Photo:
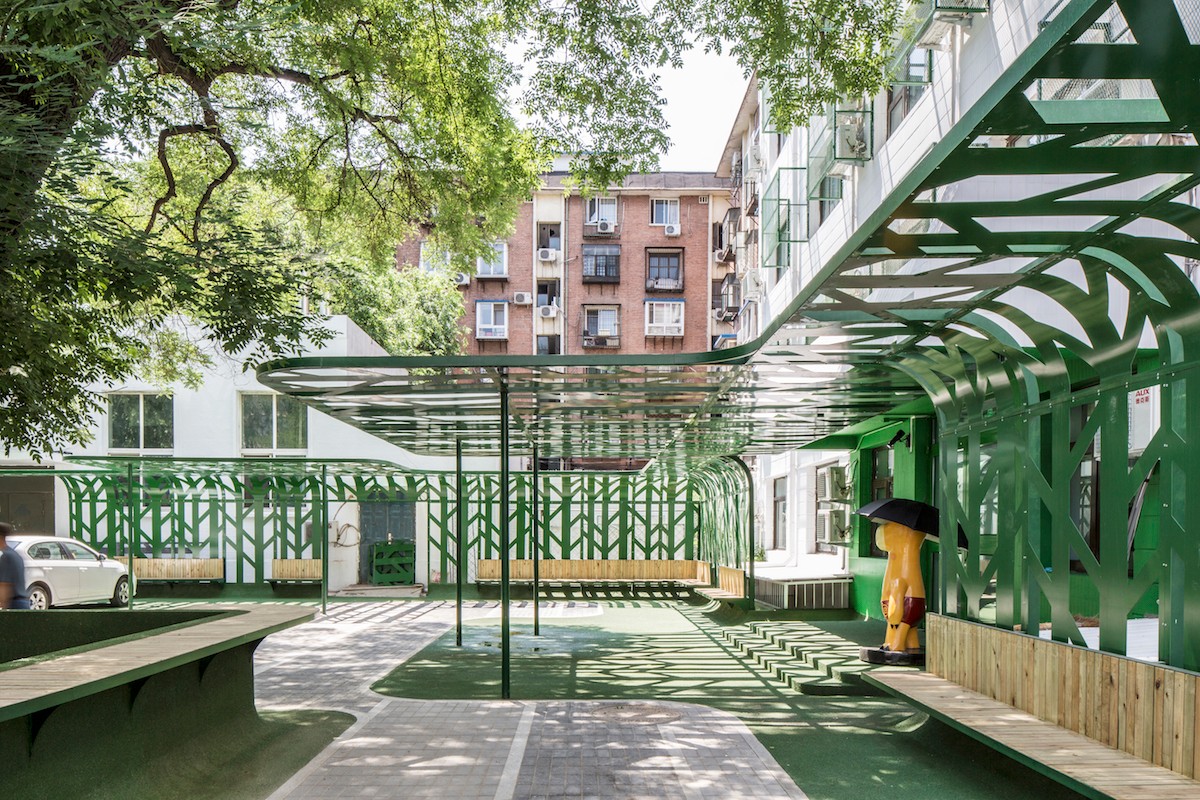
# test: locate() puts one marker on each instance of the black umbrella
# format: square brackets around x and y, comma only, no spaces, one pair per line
[910,513]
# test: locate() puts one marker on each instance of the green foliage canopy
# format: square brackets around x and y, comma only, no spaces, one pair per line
[379,117]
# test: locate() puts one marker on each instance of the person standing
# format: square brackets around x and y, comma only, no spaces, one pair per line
[13,592]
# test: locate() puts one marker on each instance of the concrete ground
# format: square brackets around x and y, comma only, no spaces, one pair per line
[493,750]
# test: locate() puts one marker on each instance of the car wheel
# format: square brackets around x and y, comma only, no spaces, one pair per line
[39,597]
[120,593]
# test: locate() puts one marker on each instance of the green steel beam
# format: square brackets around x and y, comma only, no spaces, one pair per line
[460,530]
[505,633]
[535,538]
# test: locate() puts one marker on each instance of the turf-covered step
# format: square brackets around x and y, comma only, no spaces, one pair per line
[835,660]
[833,687]
[800,655]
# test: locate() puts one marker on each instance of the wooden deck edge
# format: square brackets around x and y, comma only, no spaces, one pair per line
[101,664]
[879,679]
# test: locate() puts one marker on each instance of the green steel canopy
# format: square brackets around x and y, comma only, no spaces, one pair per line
[1025,204]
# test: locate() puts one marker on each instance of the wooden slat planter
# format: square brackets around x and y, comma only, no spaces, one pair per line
[520,570]
[170,570]
[295,570]
[1146,710]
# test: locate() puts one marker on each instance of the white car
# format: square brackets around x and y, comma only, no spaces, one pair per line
[61,572]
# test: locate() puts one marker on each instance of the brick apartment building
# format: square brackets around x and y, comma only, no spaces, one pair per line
[639,270]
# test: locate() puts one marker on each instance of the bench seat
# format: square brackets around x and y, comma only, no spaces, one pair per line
[295,571]
[177,570]
[680,574]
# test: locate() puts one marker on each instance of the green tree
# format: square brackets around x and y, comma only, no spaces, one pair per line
[381,117]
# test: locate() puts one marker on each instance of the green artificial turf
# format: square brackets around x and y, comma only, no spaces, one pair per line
[835,748]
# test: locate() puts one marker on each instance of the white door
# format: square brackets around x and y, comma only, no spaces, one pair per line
[95,582]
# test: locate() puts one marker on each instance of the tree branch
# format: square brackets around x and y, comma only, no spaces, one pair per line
[165,161]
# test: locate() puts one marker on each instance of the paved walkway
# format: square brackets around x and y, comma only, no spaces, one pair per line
[493,750]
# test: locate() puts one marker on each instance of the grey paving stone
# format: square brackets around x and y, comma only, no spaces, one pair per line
[573,750]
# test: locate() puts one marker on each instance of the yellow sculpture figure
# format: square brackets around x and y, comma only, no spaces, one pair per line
[903,595]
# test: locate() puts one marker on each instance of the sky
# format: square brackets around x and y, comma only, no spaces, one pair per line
[702,100]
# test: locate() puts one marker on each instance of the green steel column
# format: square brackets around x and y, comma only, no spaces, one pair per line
[132,504]
[323,517]
[749,526]
[504,543]
[460,511]
[535,525]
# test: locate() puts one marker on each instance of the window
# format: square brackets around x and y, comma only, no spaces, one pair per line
[491,319]
[883,463]
[547,293]
[664,318]
[828,197]
[496,265]
[46,551]
[664,212]
[548,346]
[779,529]
[664,271]
[783,250]
[141,422]
[601,209]
[716,293]
[550,235]
[601,263]
[433,258]
[908,88]
[77,552]
[901,99]
[272,423]
[601,321]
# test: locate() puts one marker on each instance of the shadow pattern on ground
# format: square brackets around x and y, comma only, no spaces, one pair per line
[833,747]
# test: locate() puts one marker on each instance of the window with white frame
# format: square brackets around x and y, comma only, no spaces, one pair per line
[491,319]
[664,211]
[433,258]
[601,321]
[141,422]
[495,265]
[664,318]
[601,209]
[273,424]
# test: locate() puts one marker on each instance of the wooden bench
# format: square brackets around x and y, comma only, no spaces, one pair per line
[177,570]
[731,585]
[1081,763]
[670,573]
[295,570]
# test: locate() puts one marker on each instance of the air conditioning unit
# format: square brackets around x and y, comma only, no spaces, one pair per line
[671,230]
[833,526]
[523,298]
[853,140]
[591,341]
[831,484]
[547,312]
[606,226]
[547,254]
[461,279]
[752,285]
